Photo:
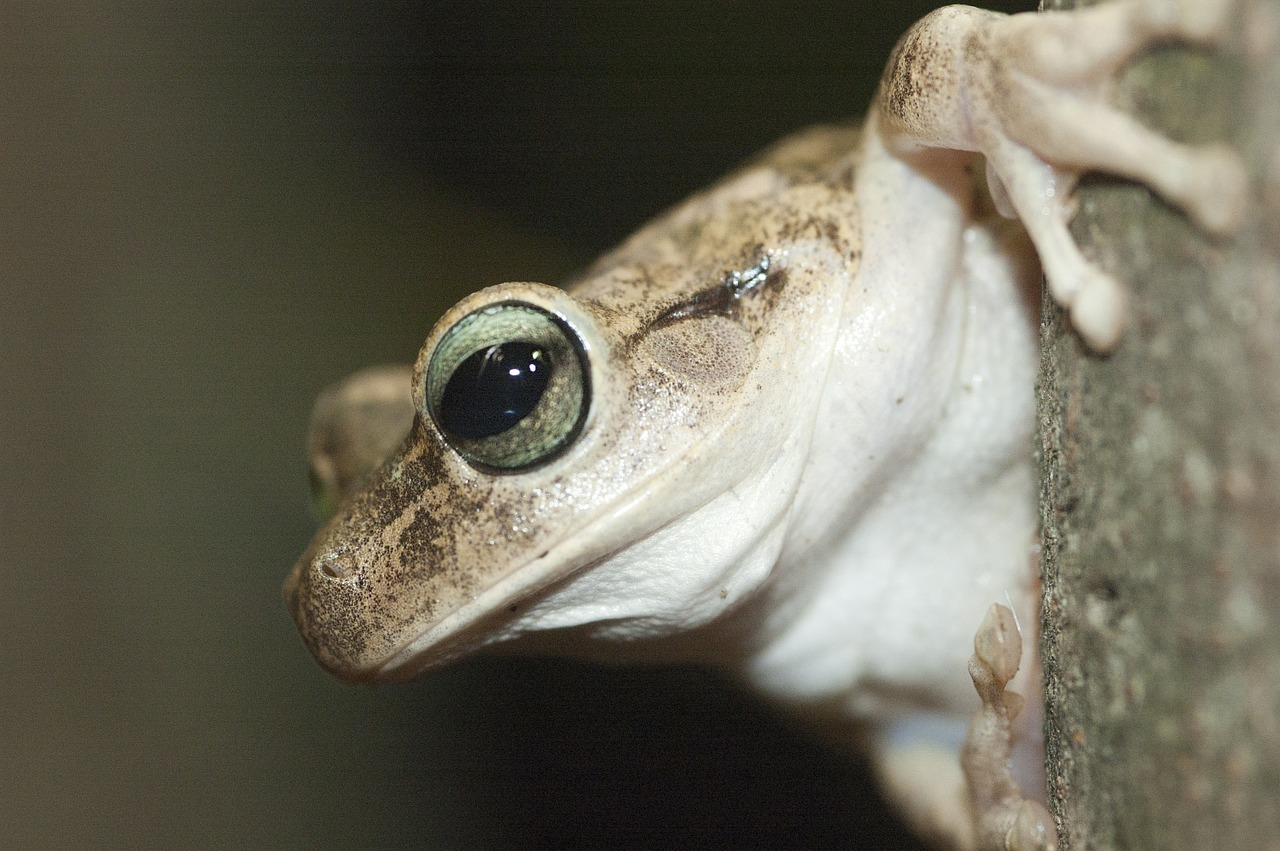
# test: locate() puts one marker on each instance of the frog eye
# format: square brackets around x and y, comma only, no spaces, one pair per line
[508,387]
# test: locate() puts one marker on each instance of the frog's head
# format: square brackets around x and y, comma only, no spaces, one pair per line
[616,461]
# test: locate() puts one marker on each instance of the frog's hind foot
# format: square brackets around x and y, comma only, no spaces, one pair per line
[1003,819]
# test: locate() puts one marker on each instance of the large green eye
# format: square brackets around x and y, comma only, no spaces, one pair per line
[508,387]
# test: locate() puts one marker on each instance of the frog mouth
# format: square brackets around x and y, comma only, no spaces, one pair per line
[338,593]
[479,622]
[536,605]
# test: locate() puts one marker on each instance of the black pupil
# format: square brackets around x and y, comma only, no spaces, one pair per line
[494,389]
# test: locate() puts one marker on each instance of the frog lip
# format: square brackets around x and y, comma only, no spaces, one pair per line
[473,624]
[326,593]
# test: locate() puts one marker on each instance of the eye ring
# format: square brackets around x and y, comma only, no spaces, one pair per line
[508,387]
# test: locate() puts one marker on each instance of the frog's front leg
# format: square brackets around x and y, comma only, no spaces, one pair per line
[1030,92]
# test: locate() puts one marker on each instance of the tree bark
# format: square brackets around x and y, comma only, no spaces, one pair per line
[1160,496]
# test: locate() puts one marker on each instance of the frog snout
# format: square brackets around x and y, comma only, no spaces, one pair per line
[336,618]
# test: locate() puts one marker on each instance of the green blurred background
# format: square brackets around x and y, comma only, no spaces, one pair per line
[210,210]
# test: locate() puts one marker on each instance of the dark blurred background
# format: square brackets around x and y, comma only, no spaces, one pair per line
[209,211]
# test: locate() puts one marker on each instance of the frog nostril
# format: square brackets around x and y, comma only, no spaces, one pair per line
[336,566]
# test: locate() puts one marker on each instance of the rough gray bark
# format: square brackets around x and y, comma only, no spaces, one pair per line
[1161,494]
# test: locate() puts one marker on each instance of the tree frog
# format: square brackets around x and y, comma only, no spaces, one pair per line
[785,430]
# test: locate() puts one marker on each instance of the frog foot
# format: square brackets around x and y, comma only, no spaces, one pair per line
[1044,118]
[1204,21]
[1003,818]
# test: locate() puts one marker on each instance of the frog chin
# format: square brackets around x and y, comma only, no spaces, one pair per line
[678,579]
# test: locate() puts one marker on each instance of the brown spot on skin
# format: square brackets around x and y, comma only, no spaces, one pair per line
[718,300]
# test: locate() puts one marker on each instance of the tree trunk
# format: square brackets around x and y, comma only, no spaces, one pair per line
[1161,492]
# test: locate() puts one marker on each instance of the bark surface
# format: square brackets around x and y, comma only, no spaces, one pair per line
[1161,491]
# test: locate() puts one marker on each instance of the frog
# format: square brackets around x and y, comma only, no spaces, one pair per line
[784,431]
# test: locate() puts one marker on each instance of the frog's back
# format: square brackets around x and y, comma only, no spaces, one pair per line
[824,155]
